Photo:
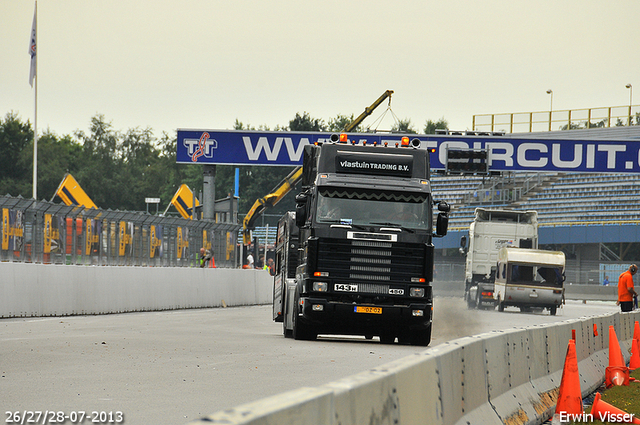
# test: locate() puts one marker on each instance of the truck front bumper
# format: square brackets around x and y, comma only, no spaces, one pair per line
[348,318]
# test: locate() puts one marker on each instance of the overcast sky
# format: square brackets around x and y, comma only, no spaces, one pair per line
[203,63]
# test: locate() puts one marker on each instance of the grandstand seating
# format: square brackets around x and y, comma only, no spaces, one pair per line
[576,198]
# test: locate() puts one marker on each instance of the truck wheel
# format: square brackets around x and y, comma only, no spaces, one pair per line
[288,333]
[470,303]
[553,310]
[500,306]
[387,337]
[302,331]
[421,337]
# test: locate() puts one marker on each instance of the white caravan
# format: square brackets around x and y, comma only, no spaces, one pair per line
[529,278]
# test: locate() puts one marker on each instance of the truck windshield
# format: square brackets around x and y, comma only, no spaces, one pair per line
[366,207]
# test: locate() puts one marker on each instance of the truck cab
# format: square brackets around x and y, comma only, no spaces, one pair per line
[365,244]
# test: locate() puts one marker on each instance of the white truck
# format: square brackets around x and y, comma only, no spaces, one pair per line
[529,278]
[491,230]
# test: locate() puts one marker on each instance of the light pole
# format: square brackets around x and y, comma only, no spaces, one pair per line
[550,107]
[630,87]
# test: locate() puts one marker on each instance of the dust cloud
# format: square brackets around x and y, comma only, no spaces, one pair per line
[452,319]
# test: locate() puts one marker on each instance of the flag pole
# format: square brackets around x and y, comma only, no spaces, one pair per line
[35,115]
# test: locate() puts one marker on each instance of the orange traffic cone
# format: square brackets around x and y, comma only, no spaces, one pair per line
[634,363]
[615,353]
[636,331]
[617,373]
[570,396]
[603,411]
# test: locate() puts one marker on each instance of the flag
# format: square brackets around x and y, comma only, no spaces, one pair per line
[32,49]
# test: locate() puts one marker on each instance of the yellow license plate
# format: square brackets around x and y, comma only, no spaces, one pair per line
[371,310]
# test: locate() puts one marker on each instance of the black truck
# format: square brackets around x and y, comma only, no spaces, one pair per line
[356,257]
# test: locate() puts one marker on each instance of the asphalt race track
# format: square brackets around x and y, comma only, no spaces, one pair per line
[176,366]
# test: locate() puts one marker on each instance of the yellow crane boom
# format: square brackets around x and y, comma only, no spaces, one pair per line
[368,111]
[268,201]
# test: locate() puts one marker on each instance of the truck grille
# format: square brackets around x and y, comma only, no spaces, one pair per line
[371,261]
[369,288]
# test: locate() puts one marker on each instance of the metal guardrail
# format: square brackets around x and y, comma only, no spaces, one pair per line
[44,232]
[527,122]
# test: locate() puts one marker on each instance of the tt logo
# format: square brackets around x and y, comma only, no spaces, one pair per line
[200,147]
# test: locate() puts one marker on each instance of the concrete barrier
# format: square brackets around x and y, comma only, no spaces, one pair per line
[505,377]
[59,290]
[591,292]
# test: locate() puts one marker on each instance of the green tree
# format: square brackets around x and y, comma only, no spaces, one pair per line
[430,127]
[139,176]
[305,122]
[403,126]
[101,164]
[56,157]
[16,140]
[340,122]
[239,125]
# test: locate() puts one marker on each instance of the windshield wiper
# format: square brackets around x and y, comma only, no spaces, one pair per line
[336,221]
[387,223]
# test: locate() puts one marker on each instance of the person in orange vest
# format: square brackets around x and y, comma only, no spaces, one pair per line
[626,292]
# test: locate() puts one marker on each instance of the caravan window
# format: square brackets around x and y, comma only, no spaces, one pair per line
[539,275]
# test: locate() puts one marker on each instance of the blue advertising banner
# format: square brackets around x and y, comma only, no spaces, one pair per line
[504,153]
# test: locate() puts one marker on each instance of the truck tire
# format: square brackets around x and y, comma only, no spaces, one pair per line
[421,337]
[387,337]
[302,331]
[552,310]
[470,303]
[500,305]
[288,333]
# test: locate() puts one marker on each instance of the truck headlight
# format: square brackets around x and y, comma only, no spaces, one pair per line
[416,292]
[320,286]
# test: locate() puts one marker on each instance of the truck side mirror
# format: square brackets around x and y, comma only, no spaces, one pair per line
[442,223]
[301,209]
[443,206]
[463,245]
